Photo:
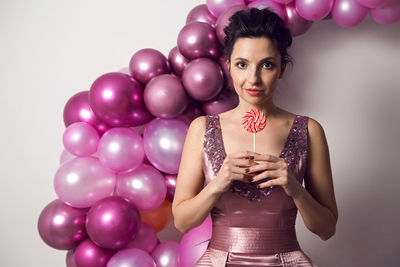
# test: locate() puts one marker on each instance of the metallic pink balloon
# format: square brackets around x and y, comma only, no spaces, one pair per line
[217,7]
[61,226]
[88,254]
[144,186]
[228,82]
[387,14]
[348,13]
[373,3]
[82,181]
[78,109]
[70,258]
[148,63]
[113,222]
[163,143]
[203,79]
[296,24]
[198,39]
[201,13]
[272,5]
[193,111]
[146,238]
[313,9]
[170,181]
[223,21]
[81,139]
[284,2]
[165,97]
[121,149]
[66,156]
[225,101]
[177,61]
[117,99]
[166,254]
[131,257]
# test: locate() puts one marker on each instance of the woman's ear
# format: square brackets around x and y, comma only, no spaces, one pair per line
[227,63]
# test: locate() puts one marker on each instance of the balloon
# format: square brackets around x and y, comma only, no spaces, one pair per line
[82,181]
[223,21]
[61,226]
[121,149]
[113,222]
[193,111]
[225,101]
[88,254]
[313,9]
[78,109]
[296,24]
[166,254]
[194,243]
[284,2]
[81,139]
[165,97]
[217,7]
[177,61]
[148,63]
[144,186]
[198,39]
[66,156]
[373,3]
[387,14]
[203,79]
[272,5]
[146,239]
[158,218]
[70,258]
[170,181]
[228,82]
[163,143]
[201,13]
[131,257]
[117,99]
[348,13]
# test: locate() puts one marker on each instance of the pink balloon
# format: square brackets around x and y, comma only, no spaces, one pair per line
[194,243]
[217,7]
[165,97]
[166,254]
[296,24]
[373,3]
[117,99]
[66,156]
[148,63]
[284,2]
[82,181]
[113,222]
[223,21]
[201,13]
[61,226]
[387,14]
[314,9]
[121,149]
[146,239]
[170,181]
[163,143]
[88,254]
[70,258]
[225,101]
[272,5]
[131,257]
[177,61]
[78,109]
[348,13]
[81,139]
[203,79]
[192,111]
[198,39]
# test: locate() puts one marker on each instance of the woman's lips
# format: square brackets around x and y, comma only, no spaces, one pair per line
[253,91]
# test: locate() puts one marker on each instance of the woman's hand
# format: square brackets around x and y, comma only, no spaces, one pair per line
[277,170]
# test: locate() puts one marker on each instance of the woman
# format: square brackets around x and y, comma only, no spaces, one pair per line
[253,197]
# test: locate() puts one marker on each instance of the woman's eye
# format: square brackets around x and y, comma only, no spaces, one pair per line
[268,65]
[240,65]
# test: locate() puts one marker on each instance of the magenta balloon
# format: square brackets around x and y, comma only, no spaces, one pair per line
[131,257]
[203,79]
[217,7]
[66,156]
[373,3]
[121,149]
[201,13]
[61,226]
[166,254]
[348,13]
[284,2]
[193,111]
[163,143]
[228,82]
[144,186]
[194,243]
[177,61]
[146,238]
[387,14]
[170,181]
[296,24]
[198,39]
[148,63]
[113,222]
[314,9]
[165,97]
[81,139]
[225,101]
[272,5]
[88,254]
[70,258]
[82,181]
[223,21]
[78,109]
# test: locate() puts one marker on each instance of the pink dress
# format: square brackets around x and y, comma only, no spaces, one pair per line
[254,227]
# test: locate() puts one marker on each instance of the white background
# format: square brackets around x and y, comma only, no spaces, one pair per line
[347,79]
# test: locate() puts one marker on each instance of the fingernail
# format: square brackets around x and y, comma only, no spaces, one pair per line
[251,157]
[247,170]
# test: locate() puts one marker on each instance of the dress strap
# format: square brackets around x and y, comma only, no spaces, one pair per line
[213,145]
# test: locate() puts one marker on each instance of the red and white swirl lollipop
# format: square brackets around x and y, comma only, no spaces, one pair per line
[254,121]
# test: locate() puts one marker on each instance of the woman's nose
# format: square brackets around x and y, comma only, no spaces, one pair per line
[253,75]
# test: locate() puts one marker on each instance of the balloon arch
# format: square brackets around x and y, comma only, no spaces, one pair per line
[124,137]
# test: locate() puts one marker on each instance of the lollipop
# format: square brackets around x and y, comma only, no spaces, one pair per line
[254,121]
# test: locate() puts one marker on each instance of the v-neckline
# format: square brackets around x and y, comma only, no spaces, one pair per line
[284,146]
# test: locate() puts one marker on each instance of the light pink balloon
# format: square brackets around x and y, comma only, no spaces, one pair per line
[223,21]
[387,14]
[121,149]
[81,139]
[348,13]
[284,2]
[146,238]
[82,181]
[296,24]
[166,254]
[314,9]
[131,257]
[272,5]
[217,7]
[201,13]
[373,3]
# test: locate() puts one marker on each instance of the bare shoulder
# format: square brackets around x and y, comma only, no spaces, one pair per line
[198,125]
[315,129]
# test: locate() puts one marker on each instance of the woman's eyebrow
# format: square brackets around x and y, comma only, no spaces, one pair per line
[244,59]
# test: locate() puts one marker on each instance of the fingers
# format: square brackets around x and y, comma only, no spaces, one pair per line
[267,157]
[243,154]
[271,174]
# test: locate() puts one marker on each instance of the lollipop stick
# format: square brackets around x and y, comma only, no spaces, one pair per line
[254,142]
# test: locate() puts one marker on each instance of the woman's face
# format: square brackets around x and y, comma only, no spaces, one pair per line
[255,68]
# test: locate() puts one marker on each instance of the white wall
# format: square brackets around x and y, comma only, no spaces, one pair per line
[347,79]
